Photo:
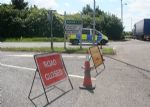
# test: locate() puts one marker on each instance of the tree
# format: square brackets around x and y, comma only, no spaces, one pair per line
[112,27]
[106,23]
[87,10]
[12,21]
[19,4]
[32,22]
[98,12]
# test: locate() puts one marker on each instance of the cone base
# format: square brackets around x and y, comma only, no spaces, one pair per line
[87,87]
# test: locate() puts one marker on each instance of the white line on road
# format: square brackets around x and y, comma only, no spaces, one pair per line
[77,76]
[64,56]
[18,67]
[25,55]
[25,68]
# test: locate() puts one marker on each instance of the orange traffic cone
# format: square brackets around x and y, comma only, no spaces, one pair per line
[87,83]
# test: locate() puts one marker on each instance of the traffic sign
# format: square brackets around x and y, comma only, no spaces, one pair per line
[96,56]
[76,22]
[51,68]
[72,32]
[73,26]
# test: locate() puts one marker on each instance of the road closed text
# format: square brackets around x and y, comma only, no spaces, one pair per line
[51,68]
[50,63]
[53,74]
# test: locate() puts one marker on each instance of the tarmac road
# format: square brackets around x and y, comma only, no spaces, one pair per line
[119,85]
[40,44]
[134,52]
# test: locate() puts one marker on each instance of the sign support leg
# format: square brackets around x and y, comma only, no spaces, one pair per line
[104,65]
[44,91]
[67,74]
[96,70]
[32,87]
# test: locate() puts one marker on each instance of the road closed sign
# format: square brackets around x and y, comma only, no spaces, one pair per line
[51,68]
[96,56]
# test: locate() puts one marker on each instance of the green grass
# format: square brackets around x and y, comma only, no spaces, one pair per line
[35,39]
[109,51]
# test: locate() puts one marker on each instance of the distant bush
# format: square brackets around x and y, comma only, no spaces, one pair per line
[28,22]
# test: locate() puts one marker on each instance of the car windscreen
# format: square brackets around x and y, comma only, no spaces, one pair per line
[85,31]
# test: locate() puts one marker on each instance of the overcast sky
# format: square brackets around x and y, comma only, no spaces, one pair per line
[134,11]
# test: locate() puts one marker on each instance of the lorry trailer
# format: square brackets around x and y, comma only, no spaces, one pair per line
[142,29]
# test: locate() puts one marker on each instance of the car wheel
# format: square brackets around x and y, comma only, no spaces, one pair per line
[103,42]
[75,42]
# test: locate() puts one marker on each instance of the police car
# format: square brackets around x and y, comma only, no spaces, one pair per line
[87,37]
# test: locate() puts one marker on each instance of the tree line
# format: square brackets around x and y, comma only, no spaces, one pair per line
[19,20]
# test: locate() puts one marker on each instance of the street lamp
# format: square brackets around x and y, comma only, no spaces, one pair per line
[122,11]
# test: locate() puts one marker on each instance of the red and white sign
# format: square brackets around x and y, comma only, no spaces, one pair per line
[51,68]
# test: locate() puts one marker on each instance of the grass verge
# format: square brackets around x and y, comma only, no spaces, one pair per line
[109,51]
[34,39]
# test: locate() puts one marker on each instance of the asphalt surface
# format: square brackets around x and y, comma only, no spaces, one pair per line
[119,85]
[40,44]
[134,52]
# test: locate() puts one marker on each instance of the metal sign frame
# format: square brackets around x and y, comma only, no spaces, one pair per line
[44,88]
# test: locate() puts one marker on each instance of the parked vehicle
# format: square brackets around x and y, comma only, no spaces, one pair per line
[86,36]
[142,29]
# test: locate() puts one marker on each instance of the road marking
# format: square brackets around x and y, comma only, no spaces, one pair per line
[77,76]
[18,67]
[74,56]
[25,68]
[64,56]
[25,55]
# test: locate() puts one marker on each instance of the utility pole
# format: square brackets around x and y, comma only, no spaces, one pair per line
[81,31]
[131,24]
[50,18]
[51,13]
[94,23]
[121,12]
[65,35]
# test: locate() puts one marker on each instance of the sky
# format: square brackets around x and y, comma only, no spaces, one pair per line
[134,11]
